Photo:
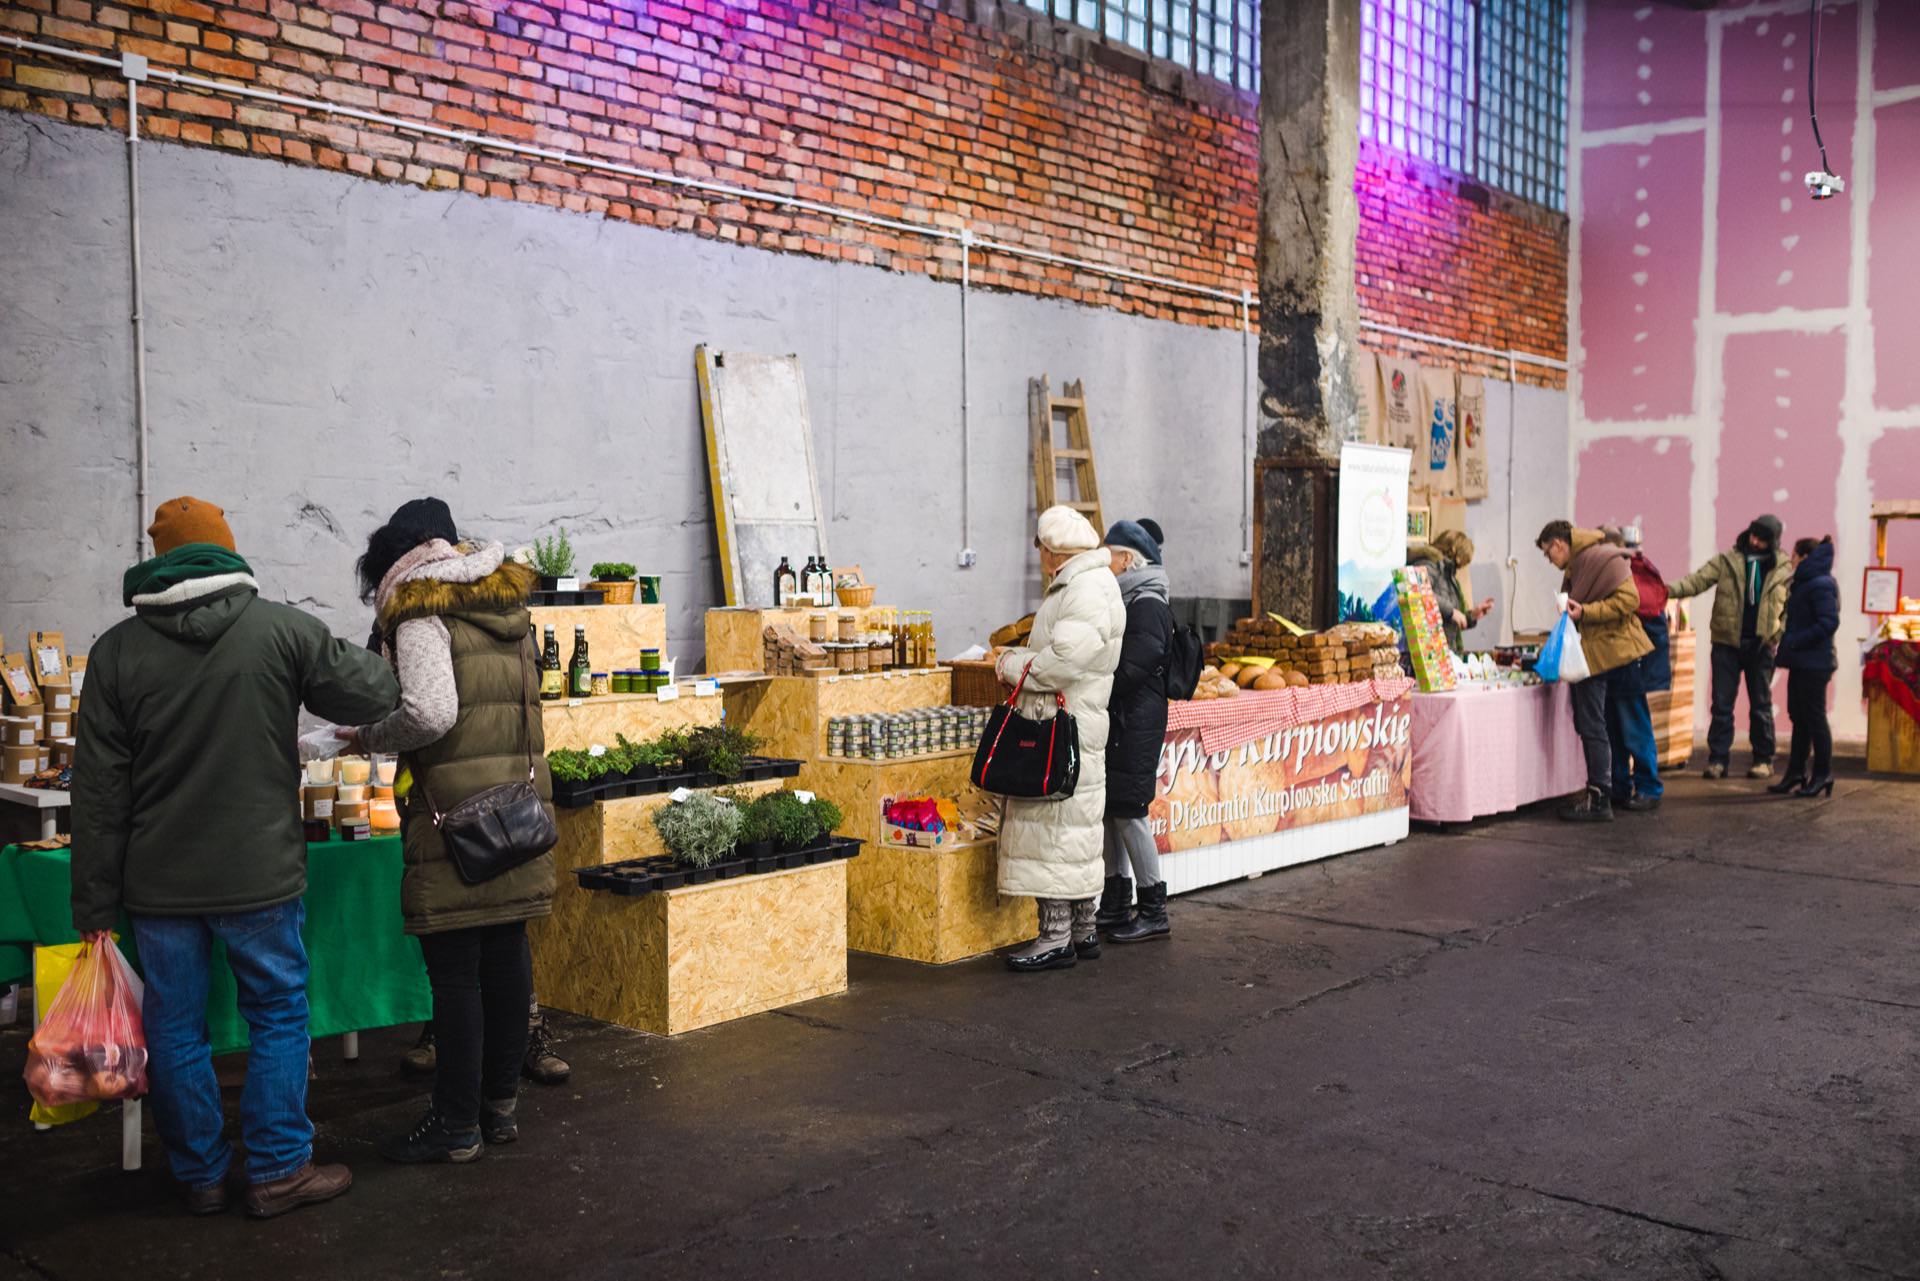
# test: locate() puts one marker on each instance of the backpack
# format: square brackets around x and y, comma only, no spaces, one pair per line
[1186,655]
[1653,588]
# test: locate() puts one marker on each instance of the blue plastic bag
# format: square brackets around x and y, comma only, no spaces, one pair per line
[1562,658]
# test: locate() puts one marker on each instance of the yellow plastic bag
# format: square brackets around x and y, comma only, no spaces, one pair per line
[51,965]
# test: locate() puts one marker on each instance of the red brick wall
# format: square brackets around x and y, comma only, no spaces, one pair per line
[895,107]
[1445,256]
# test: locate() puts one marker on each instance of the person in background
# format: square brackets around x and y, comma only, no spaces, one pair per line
[454,621]
[1050,849]
[1630,739]
[1450,552]
[422,519]
[1138,715]
[1153,531]
[1602,602]
[1806,651]
[186,814]
[1749,584]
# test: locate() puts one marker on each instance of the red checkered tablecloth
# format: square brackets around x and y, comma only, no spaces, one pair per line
[1227,723]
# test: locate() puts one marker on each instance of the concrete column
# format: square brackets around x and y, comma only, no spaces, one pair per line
[1309,317]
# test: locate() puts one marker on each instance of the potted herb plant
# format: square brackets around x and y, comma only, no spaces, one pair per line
[553,561]
[756,830]
[795,826]
[572,785]
[614,581]
[670,749]
[700,831]
[720,752]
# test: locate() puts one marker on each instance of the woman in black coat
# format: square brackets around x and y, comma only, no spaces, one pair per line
[1806,652]
[1137,712]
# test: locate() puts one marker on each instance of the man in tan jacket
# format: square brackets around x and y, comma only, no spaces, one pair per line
[1604,604]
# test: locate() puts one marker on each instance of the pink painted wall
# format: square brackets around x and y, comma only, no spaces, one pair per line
[1739,347]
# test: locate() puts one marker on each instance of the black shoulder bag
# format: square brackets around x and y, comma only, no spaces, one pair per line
[1025,758]
[495,831]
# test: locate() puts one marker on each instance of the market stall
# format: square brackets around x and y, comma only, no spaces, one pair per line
[1890,673]
[1488,749]
[1267,779]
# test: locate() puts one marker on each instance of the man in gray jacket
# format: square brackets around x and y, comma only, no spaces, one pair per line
[186,815]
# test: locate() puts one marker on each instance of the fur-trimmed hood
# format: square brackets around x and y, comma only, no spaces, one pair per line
[471,580]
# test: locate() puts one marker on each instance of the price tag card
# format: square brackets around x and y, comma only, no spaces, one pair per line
[706,688]
[806,798]
[667,693]
[573,702]
[678,794]
[597,749]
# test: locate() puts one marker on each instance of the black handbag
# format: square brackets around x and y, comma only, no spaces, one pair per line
[1025,758]
[495,831]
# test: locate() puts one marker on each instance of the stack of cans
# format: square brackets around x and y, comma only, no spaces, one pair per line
[887,736]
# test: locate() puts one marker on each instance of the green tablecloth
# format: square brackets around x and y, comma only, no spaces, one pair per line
[364,971]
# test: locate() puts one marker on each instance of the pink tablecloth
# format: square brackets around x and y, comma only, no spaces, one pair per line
[1483,751]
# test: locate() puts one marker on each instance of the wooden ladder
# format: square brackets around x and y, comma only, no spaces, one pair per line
[1044,411]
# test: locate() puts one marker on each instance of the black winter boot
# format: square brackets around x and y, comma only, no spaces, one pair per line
[433,1140]
[1116,903]
[1150,922]
[1594,806]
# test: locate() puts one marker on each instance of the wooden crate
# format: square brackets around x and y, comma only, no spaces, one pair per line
[933,905]
[734,634]
[615,633]
[1672,709]
[791,712]
[1893,739]
[580,723]
[676,960]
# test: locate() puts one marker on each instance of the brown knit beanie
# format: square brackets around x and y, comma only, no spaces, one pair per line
[180,521]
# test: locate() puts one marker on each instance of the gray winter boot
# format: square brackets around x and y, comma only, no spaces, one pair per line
[1086,931]
[1053,949]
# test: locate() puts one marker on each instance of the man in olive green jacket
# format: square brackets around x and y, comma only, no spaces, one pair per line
[186,814]
[1749,583]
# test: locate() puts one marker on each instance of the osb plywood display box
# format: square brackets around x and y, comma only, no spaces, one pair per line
[676,960]
[932,905]
[580,723]
[790,713]
[858,787]
[615,633]
[734,634]
[622,829]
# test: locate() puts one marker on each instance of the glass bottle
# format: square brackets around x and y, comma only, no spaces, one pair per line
[579,668]
[896,623]
[786,585]
[553,684]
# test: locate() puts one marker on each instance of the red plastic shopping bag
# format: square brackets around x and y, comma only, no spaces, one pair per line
[92,1045]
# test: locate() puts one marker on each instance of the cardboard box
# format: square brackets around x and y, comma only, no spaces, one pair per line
[60,753]
[56,726]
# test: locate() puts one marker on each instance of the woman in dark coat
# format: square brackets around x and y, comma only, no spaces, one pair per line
[1138,714]
[1806,652]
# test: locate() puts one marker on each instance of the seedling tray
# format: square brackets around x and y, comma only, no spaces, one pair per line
[633,877]
[576,795]
[546,600]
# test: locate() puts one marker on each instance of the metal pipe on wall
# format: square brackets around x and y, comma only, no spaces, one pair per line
[966,403]
[133,68]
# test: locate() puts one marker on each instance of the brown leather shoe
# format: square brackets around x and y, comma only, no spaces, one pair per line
[212,1199]
[309,1185]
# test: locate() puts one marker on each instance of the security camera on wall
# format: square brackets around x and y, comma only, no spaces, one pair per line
[1825,186]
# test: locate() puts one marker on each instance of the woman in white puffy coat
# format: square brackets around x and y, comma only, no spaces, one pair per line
[1052,850]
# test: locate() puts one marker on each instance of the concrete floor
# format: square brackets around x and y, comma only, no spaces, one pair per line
[1680,1046]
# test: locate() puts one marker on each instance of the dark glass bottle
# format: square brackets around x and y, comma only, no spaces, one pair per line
[553,682]
[579,668]
[786,584]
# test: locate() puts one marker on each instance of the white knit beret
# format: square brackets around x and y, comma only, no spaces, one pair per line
[1062,529]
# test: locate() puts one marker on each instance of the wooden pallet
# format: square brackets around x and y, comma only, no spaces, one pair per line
[1046,412]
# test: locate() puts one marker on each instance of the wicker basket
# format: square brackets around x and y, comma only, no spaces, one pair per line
[975,684]
[856,597]
[614,593]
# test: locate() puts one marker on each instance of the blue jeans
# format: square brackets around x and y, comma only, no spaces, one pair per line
[1630,733]
[269,963]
